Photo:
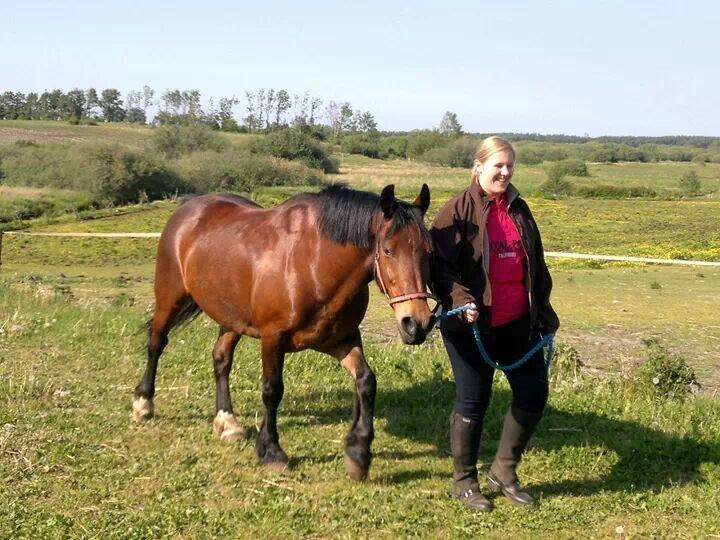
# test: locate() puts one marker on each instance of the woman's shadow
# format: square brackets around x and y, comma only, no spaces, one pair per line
[644,458]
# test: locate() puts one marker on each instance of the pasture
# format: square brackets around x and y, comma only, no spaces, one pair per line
[607,461]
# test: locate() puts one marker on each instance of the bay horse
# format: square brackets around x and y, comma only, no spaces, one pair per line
[295,276]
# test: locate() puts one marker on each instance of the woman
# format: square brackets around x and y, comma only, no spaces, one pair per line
[488,257]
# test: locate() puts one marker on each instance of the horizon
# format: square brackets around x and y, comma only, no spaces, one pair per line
[521,68]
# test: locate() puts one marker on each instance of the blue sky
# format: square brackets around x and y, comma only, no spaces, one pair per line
[574,67]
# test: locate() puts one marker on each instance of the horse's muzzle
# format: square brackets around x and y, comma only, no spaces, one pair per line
[413,332]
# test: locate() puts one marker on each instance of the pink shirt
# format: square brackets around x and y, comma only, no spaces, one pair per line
[507,266]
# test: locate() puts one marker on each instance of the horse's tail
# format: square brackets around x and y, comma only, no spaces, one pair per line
[187,313]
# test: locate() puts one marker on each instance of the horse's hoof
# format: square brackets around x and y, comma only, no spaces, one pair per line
[142,410]
[354,470]
[226,427]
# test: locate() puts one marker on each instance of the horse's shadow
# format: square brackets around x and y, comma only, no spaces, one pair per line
[644,458]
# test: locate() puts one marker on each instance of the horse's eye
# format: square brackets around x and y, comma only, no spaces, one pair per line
[387,252]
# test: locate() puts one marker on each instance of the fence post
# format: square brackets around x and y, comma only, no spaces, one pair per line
[1,235]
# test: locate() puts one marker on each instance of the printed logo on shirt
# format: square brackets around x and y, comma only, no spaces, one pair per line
[505,250]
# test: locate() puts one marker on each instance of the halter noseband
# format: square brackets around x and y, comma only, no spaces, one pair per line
[395,299]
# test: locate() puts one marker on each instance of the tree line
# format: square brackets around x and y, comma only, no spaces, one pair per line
[265,109]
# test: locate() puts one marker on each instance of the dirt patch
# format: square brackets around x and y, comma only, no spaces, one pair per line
[18,134]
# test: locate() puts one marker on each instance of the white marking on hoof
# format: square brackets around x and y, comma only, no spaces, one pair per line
[142,409]
[226,427]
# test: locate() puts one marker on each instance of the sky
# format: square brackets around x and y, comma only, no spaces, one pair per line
[573,67]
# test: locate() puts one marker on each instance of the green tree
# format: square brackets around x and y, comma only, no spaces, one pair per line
[111,105]
[449,125]
[91,101]
[75,103]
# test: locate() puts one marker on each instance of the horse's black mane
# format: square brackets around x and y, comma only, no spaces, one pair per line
[346,215]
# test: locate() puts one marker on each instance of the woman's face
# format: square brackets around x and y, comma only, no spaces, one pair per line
[495,172]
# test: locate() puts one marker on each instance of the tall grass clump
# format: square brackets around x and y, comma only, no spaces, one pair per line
[294,144]
[174,141]
[565,366]
[690,184]
[664,375]
[232,171]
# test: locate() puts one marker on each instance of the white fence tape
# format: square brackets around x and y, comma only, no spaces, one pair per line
[560,254]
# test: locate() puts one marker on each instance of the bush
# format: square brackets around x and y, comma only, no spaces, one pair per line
[365,144]
[232,171]
[459,153]
[664,375]
[120,175]
[294,144]
[690,183]
[419,142]
[393,147]
[174,141]
[608,191]
[569,167]
[556,185]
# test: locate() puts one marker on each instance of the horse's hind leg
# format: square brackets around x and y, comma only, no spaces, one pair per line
[169,311]
[225,425]
[362,433]
[267,446]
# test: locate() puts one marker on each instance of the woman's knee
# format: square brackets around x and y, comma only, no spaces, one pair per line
[532,398]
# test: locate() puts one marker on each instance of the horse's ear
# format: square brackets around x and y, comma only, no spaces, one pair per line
[388,204]
[423,200]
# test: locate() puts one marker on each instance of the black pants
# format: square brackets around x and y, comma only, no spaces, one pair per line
[474,378]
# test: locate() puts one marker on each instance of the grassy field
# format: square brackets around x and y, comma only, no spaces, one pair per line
[606,462]
[74,466]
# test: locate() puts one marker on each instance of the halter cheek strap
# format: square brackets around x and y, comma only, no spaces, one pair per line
[400,298]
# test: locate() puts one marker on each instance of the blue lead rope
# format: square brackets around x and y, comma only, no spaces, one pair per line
[546,341]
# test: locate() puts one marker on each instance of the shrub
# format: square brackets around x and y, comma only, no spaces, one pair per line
[232,171]
[121,174]
[608,191]
[664,375]
[419,142]
[174,140]
[294,144]
[569,167]
[365,144]
[556,185]
[690,183]
[393,147]
[459,153]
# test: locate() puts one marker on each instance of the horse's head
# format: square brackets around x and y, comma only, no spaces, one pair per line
[402,265]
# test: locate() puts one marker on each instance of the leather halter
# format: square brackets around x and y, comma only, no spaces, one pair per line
[400,298]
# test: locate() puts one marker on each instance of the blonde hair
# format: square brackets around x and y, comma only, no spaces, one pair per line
[487,148]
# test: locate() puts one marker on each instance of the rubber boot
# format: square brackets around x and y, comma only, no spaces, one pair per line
[517,428]
[465,443]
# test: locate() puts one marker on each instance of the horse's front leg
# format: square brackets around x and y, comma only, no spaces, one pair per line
[267,447]
[361,434]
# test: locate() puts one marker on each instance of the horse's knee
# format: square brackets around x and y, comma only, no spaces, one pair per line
[272,393]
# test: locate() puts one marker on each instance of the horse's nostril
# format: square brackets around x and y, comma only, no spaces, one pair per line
[408,326]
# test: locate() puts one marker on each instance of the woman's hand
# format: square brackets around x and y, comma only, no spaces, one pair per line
[471,314]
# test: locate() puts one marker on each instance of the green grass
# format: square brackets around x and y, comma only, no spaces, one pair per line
[74,466]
